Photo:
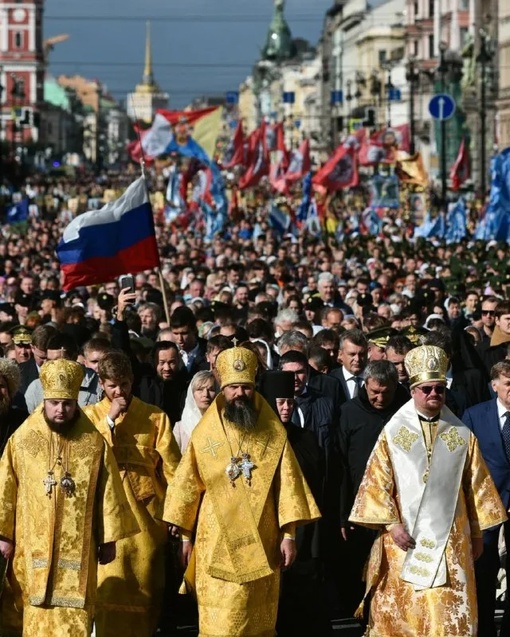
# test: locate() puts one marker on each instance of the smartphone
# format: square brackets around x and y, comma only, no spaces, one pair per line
[127,281]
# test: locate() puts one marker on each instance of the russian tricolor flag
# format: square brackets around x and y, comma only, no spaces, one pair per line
[101,245]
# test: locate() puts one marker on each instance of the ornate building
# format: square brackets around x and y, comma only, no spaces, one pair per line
[362,43]
[504,76]
[21,68]
[284,84]
[147,97]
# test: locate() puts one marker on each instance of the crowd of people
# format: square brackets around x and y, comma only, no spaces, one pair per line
[271,419]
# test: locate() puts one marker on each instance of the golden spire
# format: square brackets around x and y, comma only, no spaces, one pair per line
[148,76]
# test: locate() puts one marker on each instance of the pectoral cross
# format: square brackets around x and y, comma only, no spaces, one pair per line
[49,482]
[246,467]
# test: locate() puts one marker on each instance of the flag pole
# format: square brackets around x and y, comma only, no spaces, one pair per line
[142,168]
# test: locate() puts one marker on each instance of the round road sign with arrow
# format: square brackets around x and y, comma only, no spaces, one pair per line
[442,106]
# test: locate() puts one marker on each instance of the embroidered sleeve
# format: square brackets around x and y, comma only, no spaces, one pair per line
[184,493]
[9,493]
[375,504]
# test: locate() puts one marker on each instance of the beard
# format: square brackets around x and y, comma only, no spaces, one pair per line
[62,428]
[241,413]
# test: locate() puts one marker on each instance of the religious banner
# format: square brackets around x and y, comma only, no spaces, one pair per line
[340,171]
[384,192]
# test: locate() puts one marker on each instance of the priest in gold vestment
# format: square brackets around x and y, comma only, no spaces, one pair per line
[130,589]
[62,508]
[428,490]
[238,495]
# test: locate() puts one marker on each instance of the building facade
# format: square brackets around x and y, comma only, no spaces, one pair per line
[21,69]
[147,98]
[361,46]
[503,105]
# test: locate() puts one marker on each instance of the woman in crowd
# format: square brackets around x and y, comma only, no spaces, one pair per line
[201,393]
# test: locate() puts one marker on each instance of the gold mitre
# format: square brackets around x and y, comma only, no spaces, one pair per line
[425,363]
[61,379]
[236,366]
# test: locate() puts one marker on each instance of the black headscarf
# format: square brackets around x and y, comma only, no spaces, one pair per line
[275,385]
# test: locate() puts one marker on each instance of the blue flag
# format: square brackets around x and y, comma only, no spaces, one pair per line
[456,222]
[18,212]
[431,227]
[371,221]
[279,220]
[304,208]
[496,223]
[215,218]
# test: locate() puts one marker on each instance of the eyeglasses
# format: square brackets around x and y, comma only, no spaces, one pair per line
[488,312]
[428,389]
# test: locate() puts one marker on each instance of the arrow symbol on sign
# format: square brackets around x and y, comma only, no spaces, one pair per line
[441,102]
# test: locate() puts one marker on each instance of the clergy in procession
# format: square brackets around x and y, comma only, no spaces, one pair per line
[237,497]
[427,490]
[62,509]
[130,590]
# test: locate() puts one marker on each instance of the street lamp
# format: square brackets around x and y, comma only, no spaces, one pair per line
[360,83]
[375,89]
[17,97]
[348,95]
[413,78]
[389,91]
[484,58]
[442,70]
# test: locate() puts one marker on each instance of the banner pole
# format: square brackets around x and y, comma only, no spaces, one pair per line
[163,292]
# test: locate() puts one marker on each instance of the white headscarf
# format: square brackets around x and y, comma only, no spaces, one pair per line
[191,414]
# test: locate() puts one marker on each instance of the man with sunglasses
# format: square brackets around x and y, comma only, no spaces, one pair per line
[495,351]
[427,490]
[488,319]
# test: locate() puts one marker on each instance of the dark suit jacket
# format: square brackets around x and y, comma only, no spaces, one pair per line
[200,363]
[338,373]
[29,372]
[360,427]
[331,387]
[469,387]
[483,421]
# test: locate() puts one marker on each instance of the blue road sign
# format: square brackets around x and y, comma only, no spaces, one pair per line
[337,97]
[442,106]
[232,97]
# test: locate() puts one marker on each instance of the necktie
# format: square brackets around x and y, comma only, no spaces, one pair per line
[505,432]
[356,380]
[295,419]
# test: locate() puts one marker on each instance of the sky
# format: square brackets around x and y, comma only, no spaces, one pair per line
[199,47]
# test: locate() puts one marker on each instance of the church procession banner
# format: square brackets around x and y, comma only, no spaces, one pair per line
[293,193]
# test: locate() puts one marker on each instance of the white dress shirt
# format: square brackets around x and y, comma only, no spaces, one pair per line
[350,381]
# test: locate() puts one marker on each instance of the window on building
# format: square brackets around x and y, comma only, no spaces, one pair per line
[416,9]
[431,46]
[416,48]
[431,8]
[464,5]
[397,54]
[464,32]
[382,56]
[18,40]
